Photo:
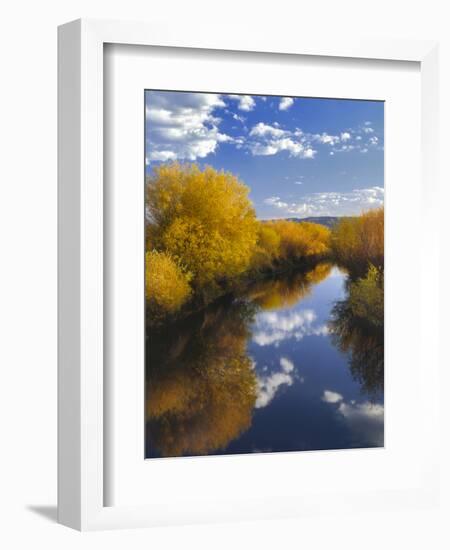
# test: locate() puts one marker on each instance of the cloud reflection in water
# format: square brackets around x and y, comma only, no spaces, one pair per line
[271,328]
[268,385]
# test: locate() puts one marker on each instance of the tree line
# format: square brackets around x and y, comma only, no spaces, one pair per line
[203,239]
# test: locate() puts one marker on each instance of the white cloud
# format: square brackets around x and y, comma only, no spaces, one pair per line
[309,153]
[185,126]
[331,203]
[270,140]
[275,146]
[162,155]
[286,364]
[285,103]
[271,328]
[357,139]
[238,117]
[182,126]
[331,397]
[261,130]
[245,102]
[276,201]
[326,138]
[269,385]
[366,420]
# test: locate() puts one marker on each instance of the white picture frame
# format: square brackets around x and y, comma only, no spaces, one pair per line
[81,360]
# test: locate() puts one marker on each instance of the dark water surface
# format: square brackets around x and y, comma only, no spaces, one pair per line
[280,368]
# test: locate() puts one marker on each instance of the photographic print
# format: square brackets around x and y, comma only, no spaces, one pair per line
[264,274]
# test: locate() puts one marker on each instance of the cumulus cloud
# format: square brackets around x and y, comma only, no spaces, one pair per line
[366,420]
[182,126]
[271,139]
[263,130]
[356,139]
[162,156]
[268,385]
[245,102]
[331,203]
[275,146]
[276,201]
[271,328]
[285,103]
[186,126]
[286,364]
[331,397]
[326,138]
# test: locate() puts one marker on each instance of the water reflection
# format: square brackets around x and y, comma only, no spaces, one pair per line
[362,338]
[269,384]
[267,371]
[287,289]
[202,385]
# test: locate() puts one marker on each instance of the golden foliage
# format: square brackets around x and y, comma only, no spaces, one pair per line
[204,219]
[267,247]
[300,240]
[166,284]
[358,242]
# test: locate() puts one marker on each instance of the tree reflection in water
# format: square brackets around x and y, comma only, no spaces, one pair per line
[359,331]
[288,289]
[201,386]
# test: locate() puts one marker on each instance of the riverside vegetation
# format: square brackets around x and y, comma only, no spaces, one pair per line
[203,240]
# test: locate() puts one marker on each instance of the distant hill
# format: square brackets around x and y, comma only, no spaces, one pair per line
[327,221]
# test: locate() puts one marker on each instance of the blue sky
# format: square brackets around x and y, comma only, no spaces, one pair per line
[300,157]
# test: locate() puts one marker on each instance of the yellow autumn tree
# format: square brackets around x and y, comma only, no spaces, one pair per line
[300,240]
[267,247]
[166,284]
[203,219]
[358,242]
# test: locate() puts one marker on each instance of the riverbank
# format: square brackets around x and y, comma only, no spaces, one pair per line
[235,288]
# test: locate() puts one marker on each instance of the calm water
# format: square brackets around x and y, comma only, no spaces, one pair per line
[276,369]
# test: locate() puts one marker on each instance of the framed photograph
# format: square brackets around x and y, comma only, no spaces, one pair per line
[264,300]
[245,331]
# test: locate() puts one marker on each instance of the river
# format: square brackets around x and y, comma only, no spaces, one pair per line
[278,368]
